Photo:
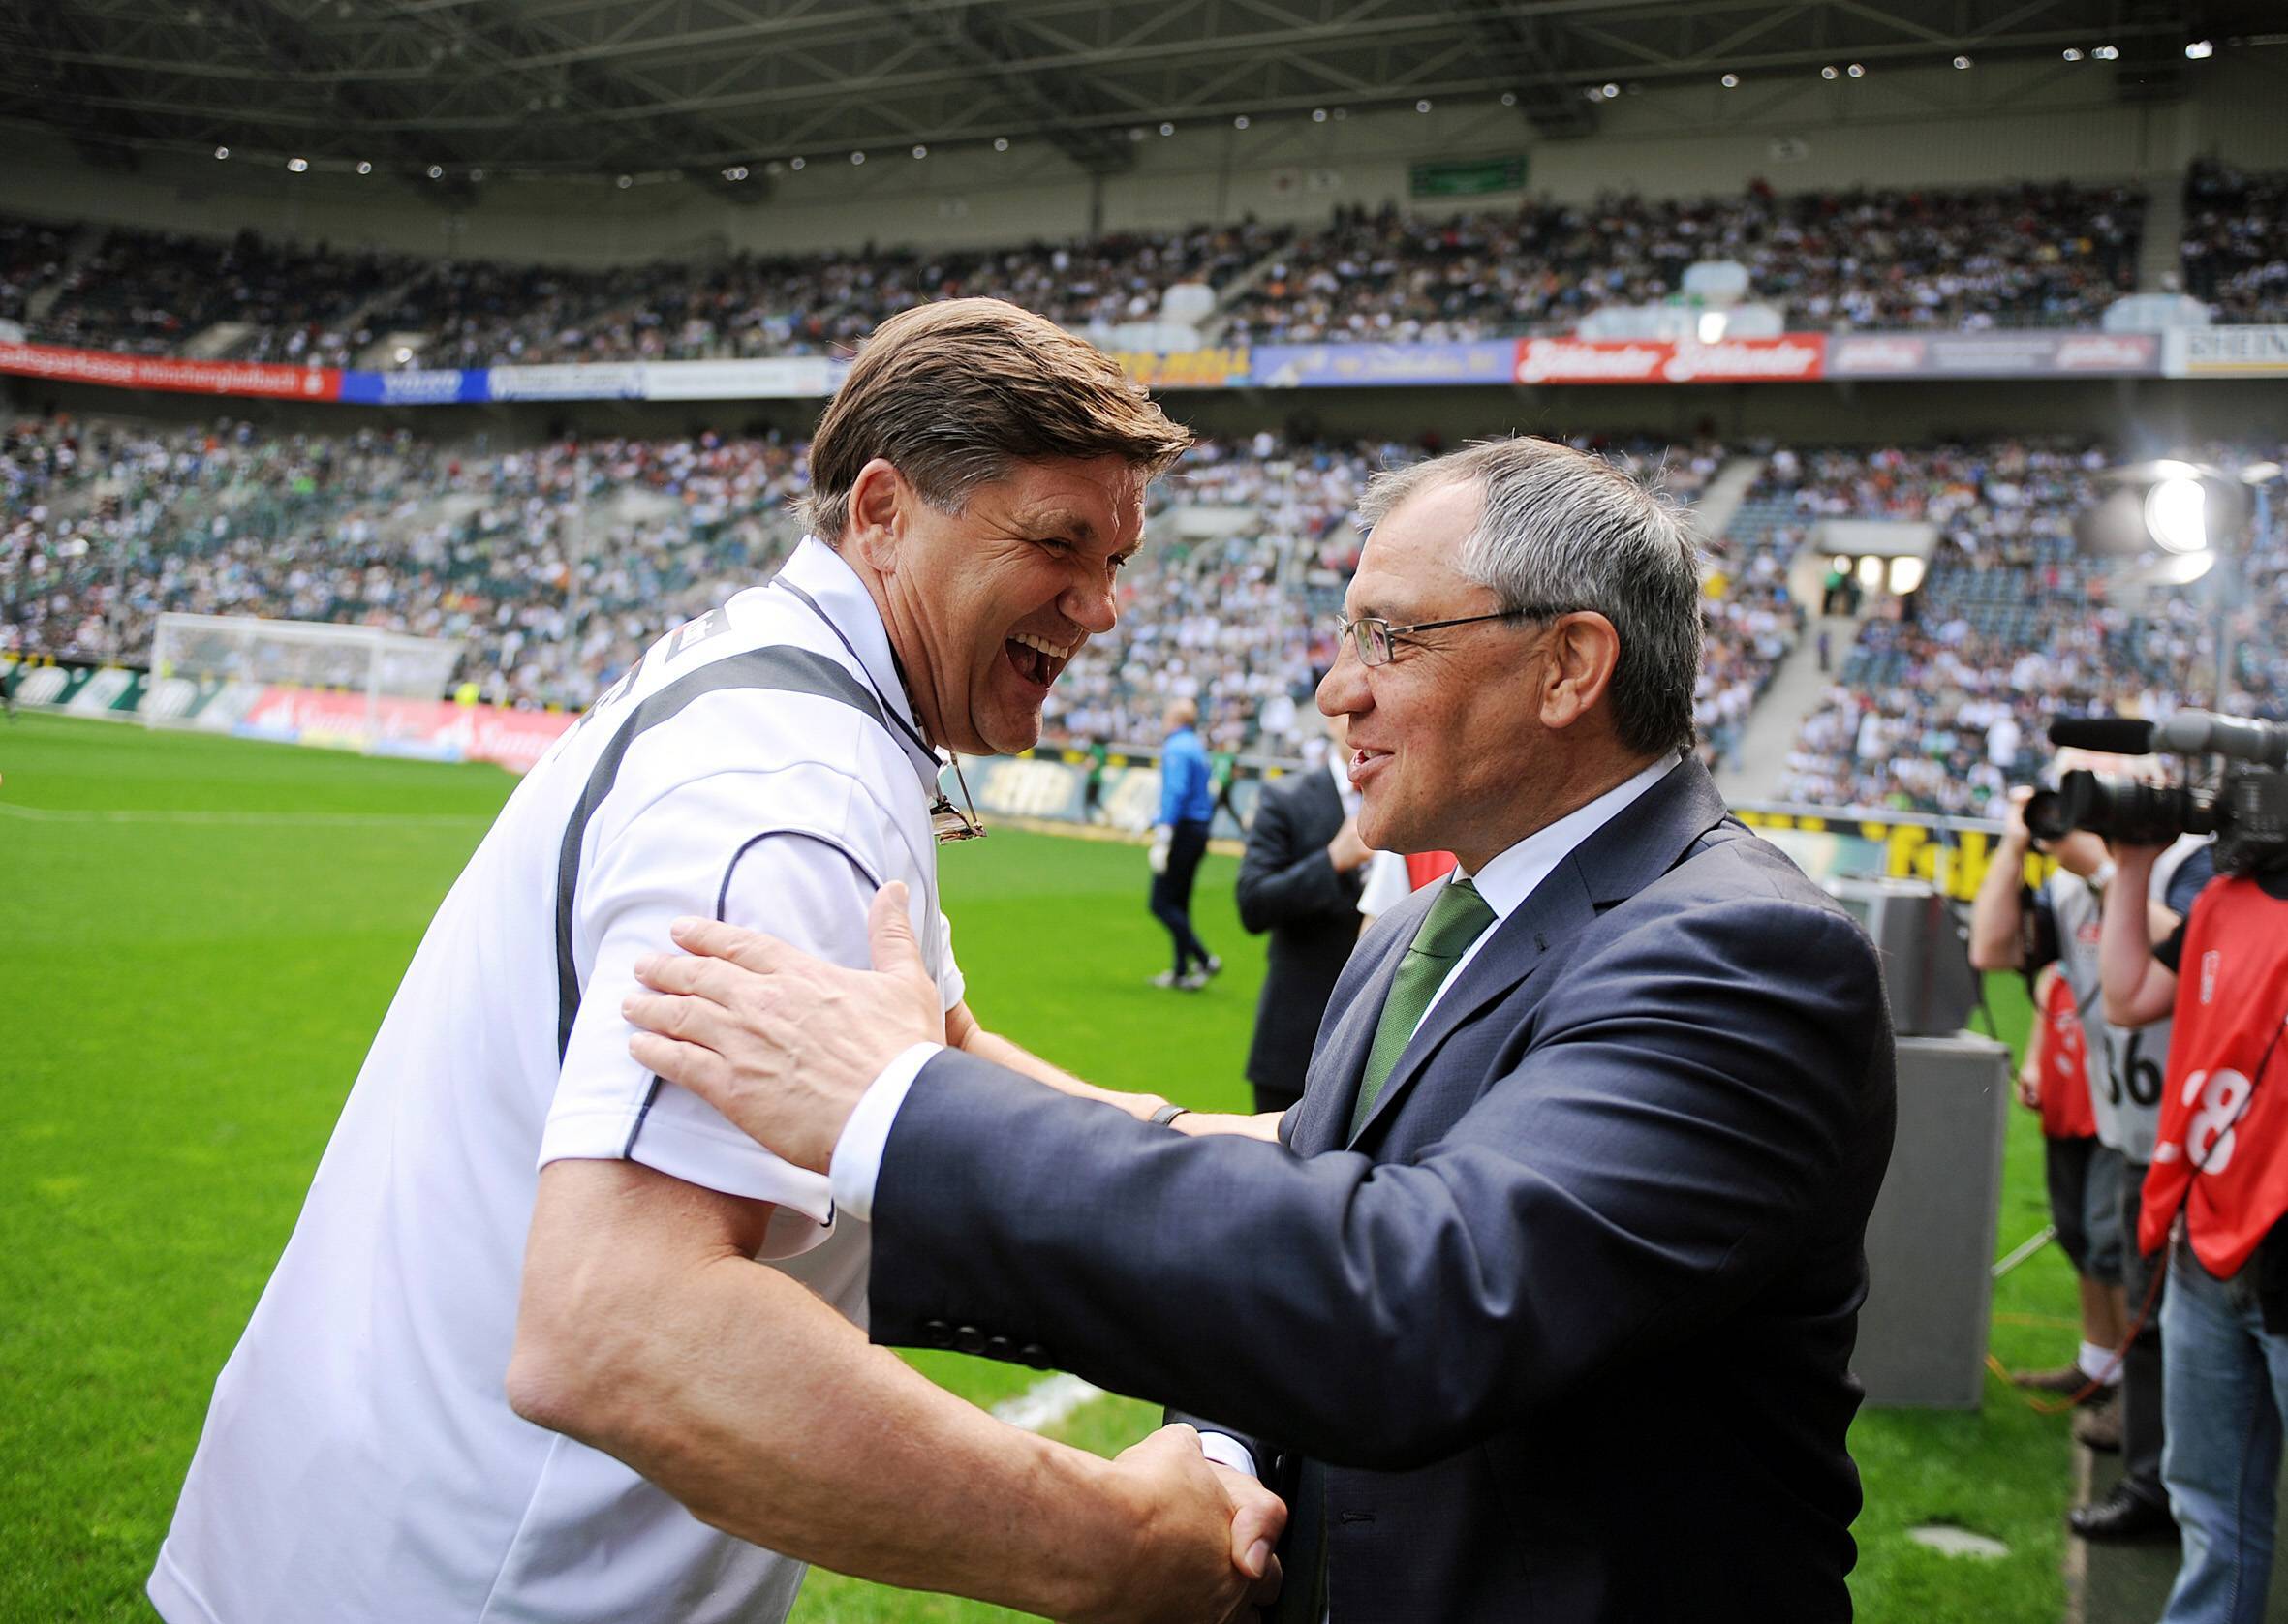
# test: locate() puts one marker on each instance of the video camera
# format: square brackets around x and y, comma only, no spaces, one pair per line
[2246,811]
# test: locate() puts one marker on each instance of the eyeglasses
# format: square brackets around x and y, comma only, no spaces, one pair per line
[948,821]
[1375,641]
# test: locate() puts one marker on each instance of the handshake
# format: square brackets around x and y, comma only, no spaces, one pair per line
[1199,1544]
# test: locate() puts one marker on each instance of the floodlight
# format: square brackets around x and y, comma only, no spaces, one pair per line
[1730,82]
[2072,53]
[298,165]
[1001,143]
[920,151]
[1907,575]
[1962,62]
[222,152]
[364,168]
[2199,51]
[1828,72]
[1870,573]
[2174,514]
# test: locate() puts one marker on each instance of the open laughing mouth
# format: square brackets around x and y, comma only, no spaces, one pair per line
[1037,660]
[1364,764]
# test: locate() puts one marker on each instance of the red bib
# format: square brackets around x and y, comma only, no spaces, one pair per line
[2067,1110]
[2223,1148]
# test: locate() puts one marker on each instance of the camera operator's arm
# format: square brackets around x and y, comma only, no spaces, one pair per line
[2139,989]
[1997,913]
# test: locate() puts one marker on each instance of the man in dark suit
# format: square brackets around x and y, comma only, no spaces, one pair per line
[1569,1227]
[1300,881]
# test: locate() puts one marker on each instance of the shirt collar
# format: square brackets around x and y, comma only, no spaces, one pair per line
[1510,879]
[823,572]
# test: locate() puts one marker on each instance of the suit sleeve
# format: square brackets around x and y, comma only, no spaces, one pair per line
[1692,1097]
[1279,883]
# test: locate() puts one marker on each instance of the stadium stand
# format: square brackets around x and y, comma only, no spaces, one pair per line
[1996,257]
[2235,243]
[31,258]
[2030,255]
[1940,704]
[557,565]
[150,292]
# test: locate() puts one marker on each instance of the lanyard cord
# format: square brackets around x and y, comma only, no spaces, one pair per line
[896,718]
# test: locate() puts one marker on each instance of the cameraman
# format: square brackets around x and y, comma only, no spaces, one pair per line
[2219,1187]
[2094,1185]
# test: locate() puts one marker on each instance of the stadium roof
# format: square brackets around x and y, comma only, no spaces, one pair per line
[722,89]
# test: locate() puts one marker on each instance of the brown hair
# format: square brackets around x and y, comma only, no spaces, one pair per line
[951,394]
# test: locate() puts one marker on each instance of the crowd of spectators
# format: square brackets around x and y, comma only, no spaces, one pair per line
[2018,256]
[151,293]
[31,256]
[2235,243]
[1943,699]
[1996,256]
[556,566]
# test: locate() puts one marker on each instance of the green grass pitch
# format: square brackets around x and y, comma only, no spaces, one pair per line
[197,937]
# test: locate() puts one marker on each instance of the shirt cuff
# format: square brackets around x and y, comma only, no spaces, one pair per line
[1226,1450]
[857,1163]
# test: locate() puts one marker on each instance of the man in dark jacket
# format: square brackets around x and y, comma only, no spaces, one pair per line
[1300,881]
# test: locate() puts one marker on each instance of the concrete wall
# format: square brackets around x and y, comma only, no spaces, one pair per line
[1926,127]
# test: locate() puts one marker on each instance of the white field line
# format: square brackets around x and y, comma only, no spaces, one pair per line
[251,820]
[1044,1404]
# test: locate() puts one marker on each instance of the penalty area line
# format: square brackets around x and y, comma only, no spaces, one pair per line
[248,819]
[1045,1404]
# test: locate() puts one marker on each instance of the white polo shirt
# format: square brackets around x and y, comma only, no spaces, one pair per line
[360,1461]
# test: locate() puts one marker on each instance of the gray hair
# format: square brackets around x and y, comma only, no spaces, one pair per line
[1561,528]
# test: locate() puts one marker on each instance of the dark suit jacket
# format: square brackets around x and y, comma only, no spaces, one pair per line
[1288,886]
[1579,1299]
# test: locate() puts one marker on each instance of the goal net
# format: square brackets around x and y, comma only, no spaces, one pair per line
[357,680]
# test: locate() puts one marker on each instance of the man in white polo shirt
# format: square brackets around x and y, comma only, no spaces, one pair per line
[520,1361]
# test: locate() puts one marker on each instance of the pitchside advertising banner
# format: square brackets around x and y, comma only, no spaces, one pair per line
[1790,358]
[2227,353]
[433,730]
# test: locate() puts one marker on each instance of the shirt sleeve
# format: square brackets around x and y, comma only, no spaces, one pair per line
[2170,952]
[2192,874]
[1387,885]
[714,848]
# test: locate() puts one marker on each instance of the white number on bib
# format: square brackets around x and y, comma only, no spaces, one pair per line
[2209,1136]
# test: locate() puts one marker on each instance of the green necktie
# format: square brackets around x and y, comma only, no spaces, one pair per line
[1458,918]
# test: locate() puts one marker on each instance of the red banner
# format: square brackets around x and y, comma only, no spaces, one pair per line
[1796,358]
[432,729]
[159,372]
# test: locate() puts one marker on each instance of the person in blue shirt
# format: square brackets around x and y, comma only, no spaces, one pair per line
[1179,840]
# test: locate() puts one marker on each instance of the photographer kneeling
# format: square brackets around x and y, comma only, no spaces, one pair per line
[2218,1189]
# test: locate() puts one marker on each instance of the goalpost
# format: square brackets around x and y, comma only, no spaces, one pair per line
[361,670]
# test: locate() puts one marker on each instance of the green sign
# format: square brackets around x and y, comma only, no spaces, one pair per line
[1466,177]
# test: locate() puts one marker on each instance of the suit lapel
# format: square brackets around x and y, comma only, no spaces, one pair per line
[1323,1116]
[1559,906]
[1640,843]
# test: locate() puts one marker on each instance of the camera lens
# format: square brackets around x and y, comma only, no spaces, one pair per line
[2045,815]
